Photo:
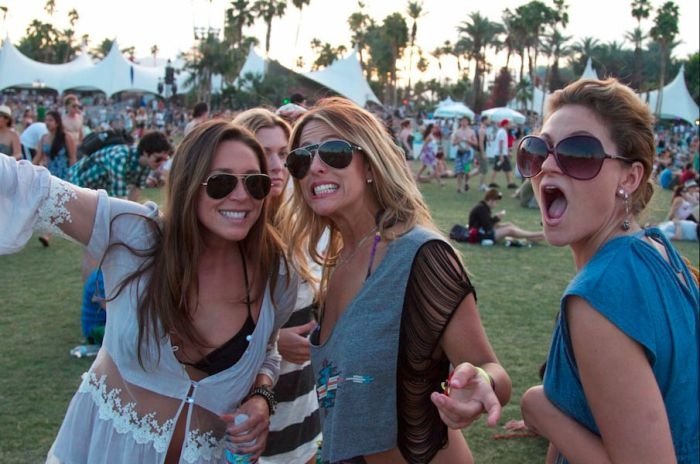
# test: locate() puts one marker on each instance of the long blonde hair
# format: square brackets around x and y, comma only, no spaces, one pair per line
[394,190]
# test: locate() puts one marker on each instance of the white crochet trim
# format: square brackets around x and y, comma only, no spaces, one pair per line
[124,418]
[53,211]
[200,446]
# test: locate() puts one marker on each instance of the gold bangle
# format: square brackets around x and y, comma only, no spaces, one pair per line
[485,375]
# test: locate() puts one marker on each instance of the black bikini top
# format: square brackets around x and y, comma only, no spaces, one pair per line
[232,351]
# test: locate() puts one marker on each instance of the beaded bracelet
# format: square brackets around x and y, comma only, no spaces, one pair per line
[267,394]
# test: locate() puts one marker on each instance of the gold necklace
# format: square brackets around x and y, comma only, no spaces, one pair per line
[357,248]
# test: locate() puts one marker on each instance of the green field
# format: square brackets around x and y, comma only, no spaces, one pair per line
[518,292]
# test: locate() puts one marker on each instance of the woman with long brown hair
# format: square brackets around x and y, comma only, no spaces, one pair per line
[195,296]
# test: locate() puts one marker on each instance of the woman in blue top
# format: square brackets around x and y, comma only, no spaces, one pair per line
[621,381]
[56,151]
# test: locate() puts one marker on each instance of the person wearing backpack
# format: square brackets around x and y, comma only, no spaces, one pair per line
[122,170]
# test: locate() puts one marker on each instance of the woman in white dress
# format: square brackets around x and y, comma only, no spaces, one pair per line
[195,296]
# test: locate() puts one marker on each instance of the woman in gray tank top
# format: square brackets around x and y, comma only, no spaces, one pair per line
[396,305]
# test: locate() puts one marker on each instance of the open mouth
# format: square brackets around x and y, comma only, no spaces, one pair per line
[324,189]
[554,202]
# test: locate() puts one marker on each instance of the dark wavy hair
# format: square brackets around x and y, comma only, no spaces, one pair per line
[59,138]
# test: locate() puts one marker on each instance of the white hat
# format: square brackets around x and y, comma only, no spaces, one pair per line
[4,109]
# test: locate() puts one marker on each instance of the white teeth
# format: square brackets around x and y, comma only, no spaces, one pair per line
[325,188]
[233,214]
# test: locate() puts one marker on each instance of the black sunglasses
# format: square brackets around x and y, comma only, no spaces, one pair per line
[580,156]
[219,185]
[335,153]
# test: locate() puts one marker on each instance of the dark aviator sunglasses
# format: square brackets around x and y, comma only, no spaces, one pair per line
[220,185]
[335,153]
[580,156]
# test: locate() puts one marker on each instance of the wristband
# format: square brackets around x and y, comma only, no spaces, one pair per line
[266,392]
[485,375]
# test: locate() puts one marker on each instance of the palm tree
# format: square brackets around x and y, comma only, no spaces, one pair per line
[664,32]
[267,10]
[50,7]
[483,34]
[299,4]
[556,43]
[359,24]
[515,38]
[154,53]
[73,17]
[534,17]
[415,11]
[640,10]
[238,16]
[396,35]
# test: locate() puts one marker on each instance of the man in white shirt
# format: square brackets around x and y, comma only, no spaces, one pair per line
[30,138]
[501,160]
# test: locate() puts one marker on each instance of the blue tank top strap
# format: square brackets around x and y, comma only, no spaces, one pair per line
[674,258]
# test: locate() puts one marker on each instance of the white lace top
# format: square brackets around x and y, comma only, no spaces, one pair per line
[122,413]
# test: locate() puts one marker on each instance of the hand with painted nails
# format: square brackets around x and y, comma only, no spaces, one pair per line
[468,394]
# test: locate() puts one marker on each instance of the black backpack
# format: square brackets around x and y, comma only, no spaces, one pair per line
[98,140]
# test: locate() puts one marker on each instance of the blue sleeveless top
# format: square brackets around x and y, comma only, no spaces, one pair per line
[57,165]
[630,283]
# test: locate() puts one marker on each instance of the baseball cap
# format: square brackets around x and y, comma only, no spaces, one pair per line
[4,109]
[504,122]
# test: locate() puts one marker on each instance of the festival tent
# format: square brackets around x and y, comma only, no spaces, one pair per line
[254,66]
[676,102]
[446,102]
[345,77]
[453,110]
[116,74]
[500,113]
[17,70]
[589,72]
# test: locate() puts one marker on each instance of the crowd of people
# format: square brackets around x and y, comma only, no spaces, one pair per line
[253,316]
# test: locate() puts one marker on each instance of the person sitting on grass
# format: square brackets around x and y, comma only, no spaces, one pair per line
[488,226]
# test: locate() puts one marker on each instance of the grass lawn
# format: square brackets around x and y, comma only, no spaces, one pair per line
[518,291]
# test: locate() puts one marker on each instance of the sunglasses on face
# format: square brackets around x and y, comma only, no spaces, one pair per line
[220,185]
[580,156]
[335,153]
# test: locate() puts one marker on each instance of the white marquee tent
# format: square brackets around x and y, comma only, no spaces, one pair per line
[589,72]
[345,77]
[254,65]
[676,101]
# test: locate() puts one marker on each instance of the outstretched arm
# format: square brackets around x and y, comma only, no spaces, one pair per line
[479,384]
[31,199]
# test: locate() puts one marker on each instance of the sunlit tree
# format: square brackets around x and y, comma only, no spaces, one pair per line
[664,32]
[268,10]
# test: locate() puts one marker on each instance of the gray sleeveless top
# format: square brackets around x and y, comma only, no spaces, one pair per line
[356,369]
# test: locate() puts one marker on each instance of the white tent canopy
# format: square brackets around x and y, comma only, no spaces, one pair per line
[676,101]
[111,75]
[453,110]
[254,65]
[16,70]
[345,77]
[589,72]
[500,113]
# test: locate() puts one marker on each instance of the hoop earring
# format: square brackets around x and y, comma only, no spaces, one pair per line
[626,199]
